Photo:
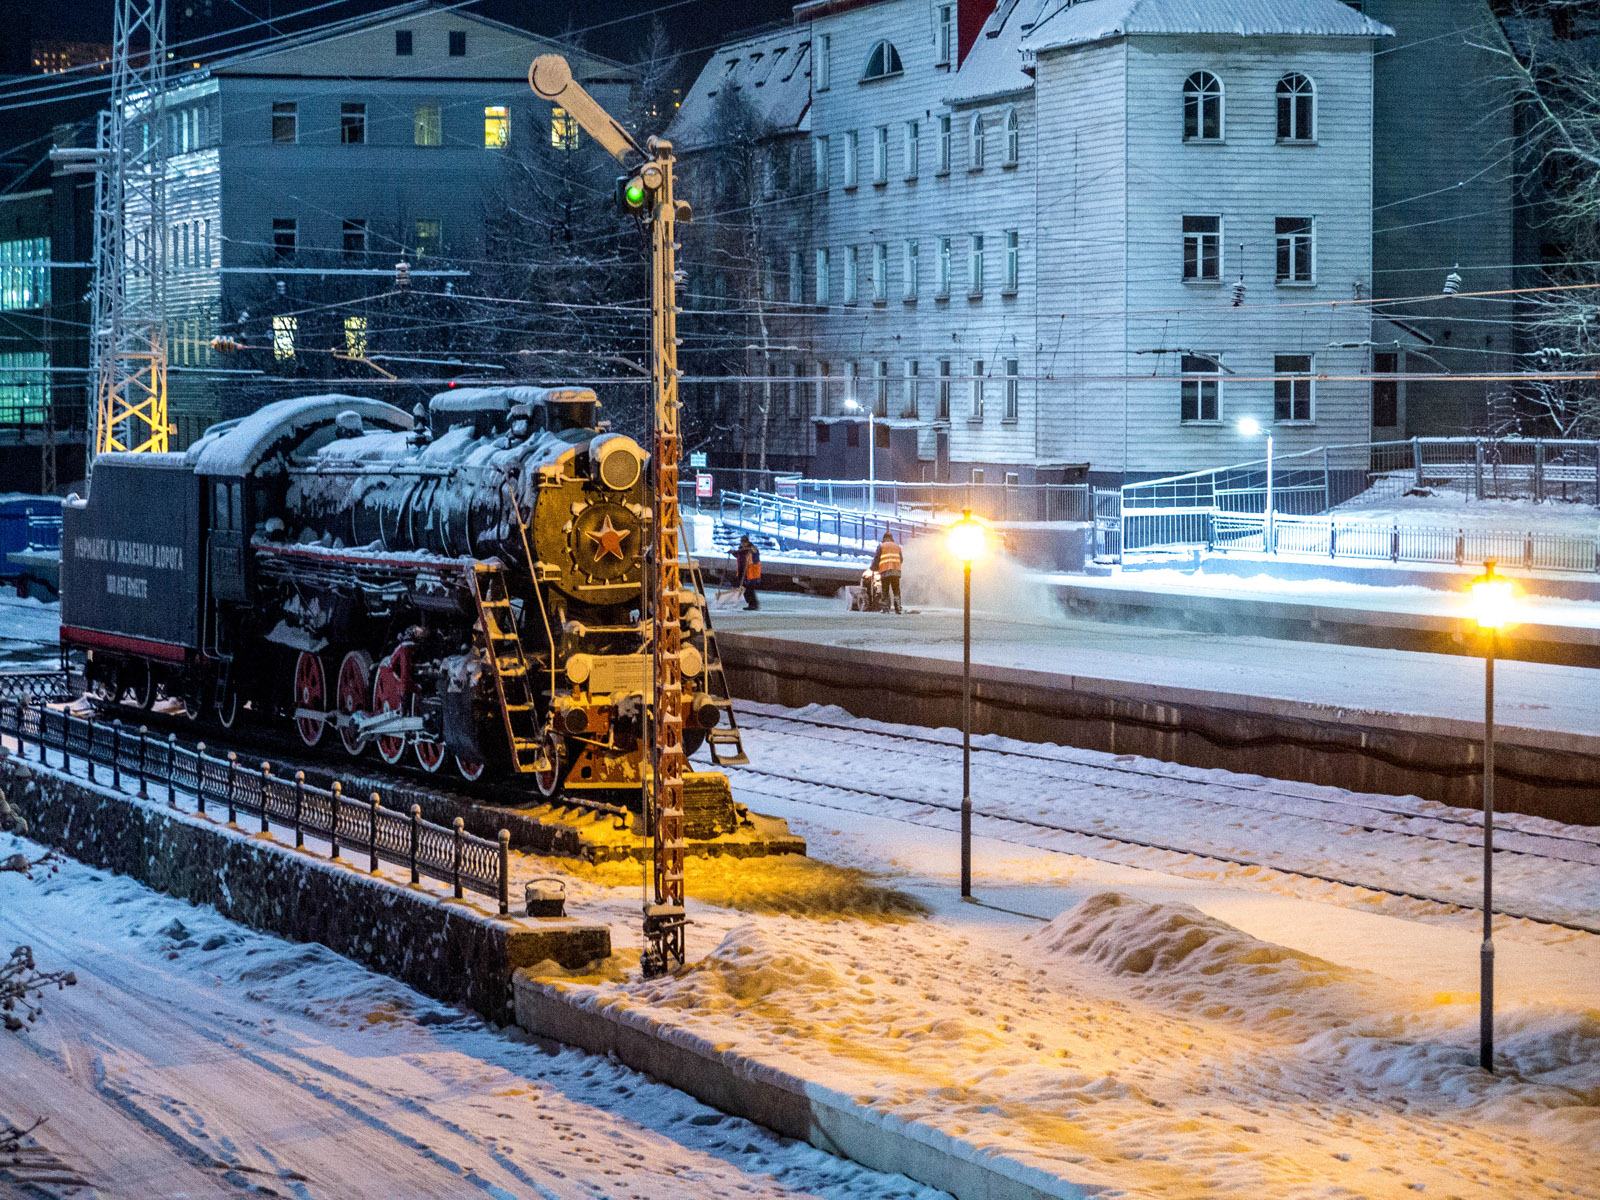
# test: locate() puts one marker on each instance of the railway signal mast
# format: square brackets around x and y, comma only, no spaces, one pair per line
[647,192]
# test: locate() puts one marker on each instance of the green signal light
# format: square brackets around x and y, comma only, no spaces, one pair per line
[634,193]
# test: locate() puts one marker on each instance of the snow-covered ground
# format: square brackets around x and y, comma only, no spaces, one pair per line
[1455,510]
[30,630]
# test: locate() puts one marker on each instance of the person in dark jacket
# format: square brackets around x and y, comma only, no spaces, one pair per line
[886,562]
[747,564]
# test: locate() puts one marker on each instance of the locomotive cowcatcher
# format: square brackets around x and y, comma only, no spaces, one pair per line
[463,583]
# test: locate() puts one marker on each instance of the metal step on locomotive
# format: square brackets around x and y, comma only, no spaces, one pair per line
[462,584]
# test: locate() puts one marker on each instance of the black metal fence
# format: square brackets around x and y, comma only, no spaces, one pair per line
[450,855]
[34,685]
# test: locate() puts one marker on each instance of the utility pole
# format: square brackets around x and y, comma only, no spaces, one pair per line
[647,192]
[128,338]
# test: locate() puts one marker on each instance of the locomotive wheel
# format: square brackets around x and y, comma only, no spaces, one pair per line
[137,685]
[226,704]
[310,691]
[355,686]
[470,768]
[430,754]
[389,687]
[549,782]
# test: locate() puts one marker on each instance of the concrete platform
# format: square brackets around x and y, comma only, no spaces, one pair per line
[1376,720]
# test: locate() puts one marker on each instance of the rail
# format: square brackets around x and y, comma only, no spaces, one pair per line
[450,855]
[801,524]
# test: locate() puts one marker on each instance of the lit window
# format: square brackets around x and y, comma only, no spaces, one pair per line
[1202,108]
[497,127]
[1202,249]
[285,122]
[563,129]
[353,124]
[426,129]
[24,277]
[1293,389]
[1297,109]
[1200,399]
[429,238]
[882,62]
[355,337]
[1296,250]
[283,331]
[24,388]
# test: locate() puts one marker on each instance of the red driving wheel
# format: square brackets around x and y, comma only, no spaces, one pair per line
[311,693]
[470,768]
[355,686]
[390,688]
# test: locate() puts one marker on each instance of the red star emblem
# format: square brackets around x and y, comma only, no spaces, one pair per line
[607,540]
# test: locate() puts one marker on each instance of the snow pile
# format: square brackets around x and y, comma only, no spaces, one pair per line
[1456,509]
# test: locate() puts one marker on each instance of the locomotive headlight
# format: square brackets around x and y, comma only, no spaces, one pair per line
[690,661]
[617,461]
[578,667]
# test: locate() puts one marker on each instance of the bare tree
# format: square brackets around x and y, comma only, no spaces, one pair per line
[22,985]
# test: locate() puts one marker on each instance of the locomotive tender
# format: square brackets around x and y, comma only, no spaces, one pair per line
[463,584]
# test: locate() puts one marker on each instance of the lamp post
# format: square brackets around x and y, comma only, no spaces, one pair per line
[1251,427]
[967,537]
[855,405]
[1491,605]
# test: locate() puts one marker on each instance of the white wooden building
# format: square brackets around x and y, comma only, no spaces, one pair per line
[1027,223]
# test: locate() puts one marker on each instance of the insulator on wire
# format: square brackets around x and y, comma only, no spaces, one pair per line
[402,275]
[1452,281]
[1238,293]
[225,345]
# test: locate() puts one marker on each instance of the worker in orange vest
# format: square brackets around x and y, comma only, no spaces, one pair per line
[747,562]
[886,562]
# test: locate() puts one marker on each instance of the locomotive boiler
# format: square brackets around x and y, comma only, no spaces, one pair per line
[462,584]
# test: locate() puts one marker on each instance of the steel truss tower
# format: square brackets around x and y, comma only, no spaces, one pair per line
[129,339]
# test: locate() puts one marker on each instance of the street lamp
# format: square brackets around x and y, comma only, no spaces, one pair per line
[1491,605]
[855,405]
[1251,427]
[967,538]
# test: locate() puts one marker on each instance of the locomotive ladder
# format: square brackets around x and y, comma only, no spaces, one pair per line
[512,682]
[718,739]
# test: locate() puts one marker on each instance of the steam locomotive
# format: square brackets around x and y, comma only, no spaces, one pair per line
[462,583]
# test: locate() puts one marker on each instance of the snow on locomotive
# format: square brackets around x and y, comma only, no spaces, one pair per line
[464,585]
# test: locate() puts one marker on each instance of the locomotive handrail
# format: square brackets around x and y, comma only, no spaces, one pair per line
[450,855]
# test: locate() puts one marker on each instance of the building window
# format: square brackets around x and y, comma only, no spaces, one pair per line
[402,42]
[819,159]
[1013,389]
[911,399]
[425,126]
[975,265]
[880,388]
[353,124]
[1297,109]
[285,122]
[792,399]
[24,387]
[429,238]
[852,274]
[883,62]
[769,285]
[1386,392]
[824,279]
[975,143]
[283,236]
[1202,249]
[880,155]
[458,43]
[854,387]
[824,390]
[24,275]
[824,434]
[944,144]
[1202,108]
[824,62]
[909,291]
[1201,398]
[945,34]
[1296,250]
[976,411]
[1013,261]
[205,239]
[852,157]
[1292,398]
[563,129]
[497,127]
[943,289]
[852,435]
[796,278]
[355,238]
[913,148]
[943,410]
[880,273]
[283,331]
[1013,129]
[355,337]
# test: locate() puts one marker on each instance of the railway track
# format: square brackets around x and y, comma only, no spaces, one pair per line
[835,796]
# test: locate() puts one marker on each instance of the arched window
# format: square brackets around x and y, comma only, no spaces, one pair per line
[882,62]
[1202,108]
[975,142]
[1297,109]
[1013,138]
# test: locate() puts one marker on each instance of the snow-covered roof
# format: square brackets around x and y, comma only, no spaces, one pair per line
[772,72]
[237,447]
[1018,29]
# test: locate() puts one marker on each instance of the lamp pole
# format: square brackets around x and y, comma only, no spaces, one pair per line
[1486,954]
[966,724]
[1271,532]
[872,459]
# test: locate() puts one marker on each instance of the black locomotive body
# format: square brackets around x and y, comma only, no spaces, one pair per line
[462,586]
